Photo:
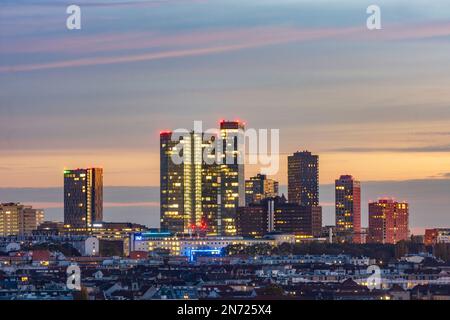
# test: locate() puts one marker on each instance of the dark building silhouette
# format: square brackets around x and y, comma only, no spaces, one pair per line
[303,178]
[298,219]
[253,220]
[83,197]
[275,214]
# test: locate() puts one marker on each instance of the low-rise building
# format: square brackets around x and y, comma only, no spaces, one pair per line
[437,235]
[193,246]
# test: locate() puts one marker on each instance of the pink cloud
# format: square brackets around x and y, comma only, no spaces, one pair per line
[201,43]
[58,205]
[234,41]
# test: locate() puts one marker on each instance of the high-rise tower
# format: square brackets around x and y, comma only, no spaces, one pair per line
[83,197]
[303,178]
[189,188]
[232,179]
[348,209]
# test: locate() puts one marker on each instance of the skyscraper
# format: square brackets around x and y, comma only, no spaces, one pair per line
[303,178]
[197,194]
[348,209]
[260,187]
[172,183]
[210,192]
[388,221]
[232,179]
[189,189]
[83,197]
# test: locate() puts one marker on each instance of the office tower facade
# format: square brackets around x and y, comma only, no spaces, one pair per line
[19,220]
[175,186]
[298,219]
[348,209]
[253,220]
[260,187]
[189,189]
[210,194]
[388,221]
[83,197]
[232,179]
[196,194]
[275,214]
[303,178]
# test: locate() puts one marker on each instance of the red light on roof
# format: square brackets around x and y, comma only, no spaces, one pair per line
[165,132]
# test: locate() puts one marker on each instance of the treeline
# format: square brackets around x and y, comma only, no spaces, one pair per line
[380,252]
[442,251]
[65,248]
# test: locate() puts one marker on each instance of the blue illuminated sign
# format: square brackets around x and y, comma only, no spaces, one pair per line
[193,253]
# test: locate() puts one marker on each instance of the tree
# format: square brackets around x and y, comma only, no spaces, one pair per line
[442,251]
[272,290]
[401,249]
[82,294]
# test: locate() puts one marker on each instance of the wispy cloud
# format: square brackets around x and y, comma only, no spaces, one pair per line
[235,40]
[419,149]
[444,175]
[433,133]
[59,205]
[200,43]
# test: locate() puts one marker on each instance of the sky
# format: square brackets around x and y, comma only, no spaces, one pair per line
[374,104]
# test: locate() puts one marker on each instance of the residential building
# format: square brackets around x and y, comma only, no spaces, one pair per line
[19,220]
[388,221]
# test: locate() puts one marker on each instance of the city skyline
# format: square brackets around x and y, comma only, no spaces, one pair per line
[307,160]
[122,203]
[377,109]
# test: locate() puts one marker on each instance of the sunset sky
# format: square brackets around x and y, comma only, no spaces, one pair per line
[375,104]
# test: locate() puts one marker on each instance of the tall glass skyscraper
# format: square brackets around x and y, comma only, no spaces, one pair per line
[175,215]
[232,179]
[83,197]
[189,189]
[199,195]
